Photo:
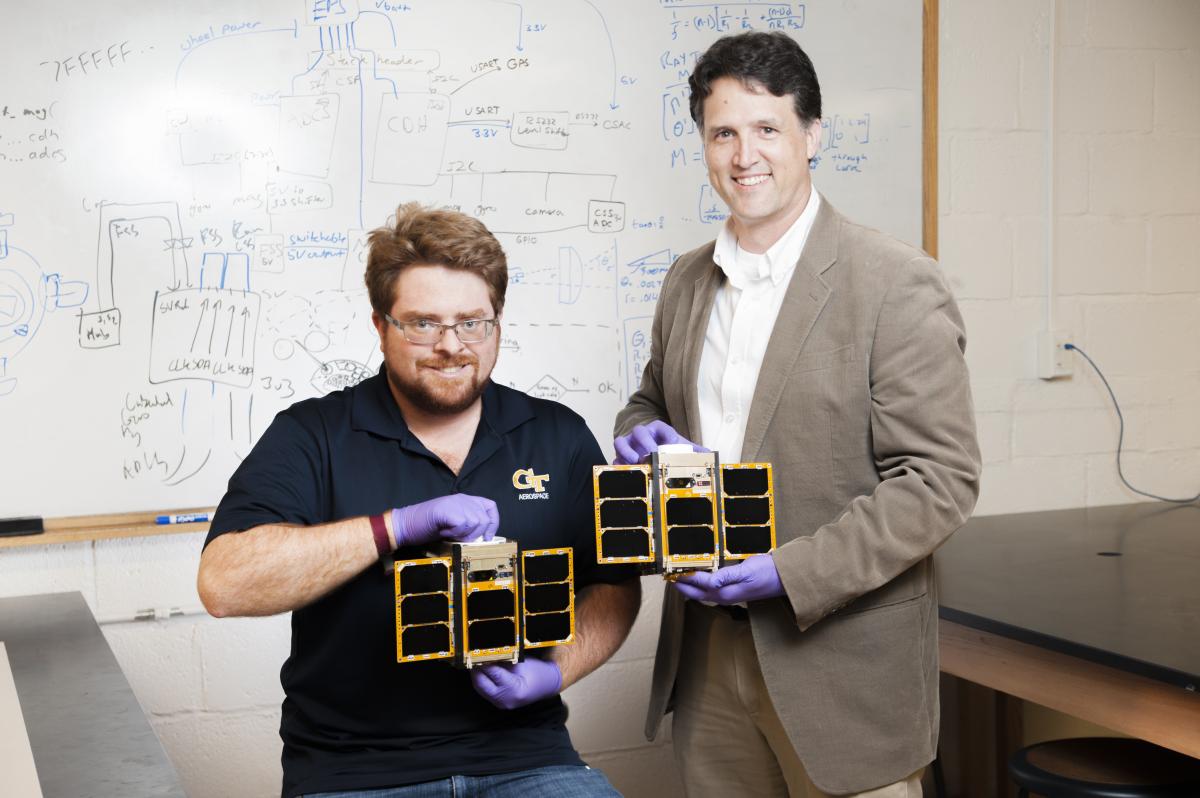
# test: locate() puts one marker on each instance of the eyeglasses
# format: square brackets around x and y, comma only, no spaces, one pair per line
[424,331]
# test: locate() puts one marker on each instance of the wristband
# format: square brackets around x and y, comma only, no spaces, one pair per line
[383,543]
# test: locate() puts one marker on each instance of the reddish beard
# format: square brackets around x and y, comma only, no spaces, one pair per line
[434,394]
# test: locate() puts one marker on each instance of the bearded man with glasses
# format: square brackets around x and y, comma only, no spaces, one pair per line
[427,450]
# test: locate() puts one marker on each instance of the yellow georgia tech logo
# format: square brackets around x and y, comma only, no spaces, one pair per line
[524,479]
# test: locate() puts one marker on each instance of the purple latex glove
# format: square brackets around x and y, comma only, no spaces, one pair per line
[457,517]
[753,578]
[508,686]
[646,438]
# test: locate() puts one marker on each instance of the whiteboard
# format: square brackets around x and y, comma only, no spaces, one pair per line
[184,190]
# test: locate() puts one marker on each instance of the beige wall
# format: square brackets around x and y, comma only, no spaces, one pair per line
[1128,236]
[1128,286]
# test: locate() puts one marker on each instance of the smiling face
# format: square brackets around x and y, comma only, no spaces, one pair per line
[757,152]
[447,377]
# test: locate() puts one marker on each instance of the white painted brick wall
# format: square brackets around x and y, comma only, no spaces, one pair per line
[642,772]
[1146,25]
[1101,255]
[996,169]
[1176,76]
[134,574]
[605,707]
[1159,388]
[1151,335]
[1070,432]
[995,436]
[1027,484]
[1088,81]
[1029,256]
[1119,164]
[976,254]
[227,645]
[1128,278]
[1000,346]
[1127,270]
[1174,427]
[48,569]
[224,754]
[1175,253]
[644,636]
[1073,166]
[162,660]
[1170,474]
[1072,23]
[1140,175]
[971,26]
[1035,397]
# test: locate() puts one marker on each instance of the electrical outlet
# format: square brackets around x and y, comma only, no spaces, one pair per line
[1053,359]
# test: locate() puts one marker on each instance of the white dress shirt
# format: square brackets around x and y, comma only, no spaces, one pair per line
[739,328]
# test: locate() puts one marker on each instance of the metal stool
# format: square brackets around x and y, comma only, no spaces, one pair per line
[1103,767]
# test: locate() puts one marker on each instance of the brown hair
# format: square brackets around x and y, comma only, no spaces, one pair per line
[432,237]
[773,60]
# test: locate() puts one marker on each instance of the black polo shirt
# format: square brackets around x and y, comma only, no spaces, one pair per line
[353,718]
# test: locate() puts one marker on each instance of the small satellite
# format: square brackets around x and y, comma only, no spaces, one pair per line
[483,601]
[683,511]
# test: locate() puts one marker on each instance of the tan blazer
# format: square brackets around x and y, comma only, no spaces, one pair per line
[863,407]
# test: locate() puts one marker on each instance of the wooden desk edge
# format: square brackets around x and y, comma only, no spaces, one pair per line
[1161,713]
[79,528]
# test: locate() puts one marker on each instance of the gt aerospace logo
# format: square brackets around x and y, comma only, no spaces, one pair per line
[525,480]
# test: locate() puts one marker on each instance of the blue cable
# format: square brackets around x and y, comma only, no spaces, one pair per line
[1121,434]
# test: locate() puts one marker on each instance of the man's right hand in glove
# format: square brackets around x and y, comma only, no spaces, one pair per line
[644,439]
[458,517]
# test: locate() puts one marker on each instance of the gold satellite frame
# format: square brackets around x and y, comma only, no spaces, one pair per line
[683,511]
[483,601]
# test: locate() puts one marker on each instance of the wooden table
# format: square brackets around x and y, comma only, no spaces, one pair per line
[87,731]
[1091,612]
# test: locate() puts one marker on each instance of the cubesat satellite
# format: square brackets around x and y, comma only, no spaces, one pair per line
[683,511]
[483,601]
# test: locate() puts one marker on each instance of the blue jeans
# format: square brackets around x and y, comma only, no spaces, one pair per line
[567,781]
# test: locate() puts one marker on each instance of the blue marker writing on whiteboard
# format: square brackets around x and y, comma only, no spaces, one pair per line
[184,518]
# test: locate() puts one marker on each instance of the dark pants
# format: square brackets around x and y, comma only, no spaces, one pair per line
[567,781]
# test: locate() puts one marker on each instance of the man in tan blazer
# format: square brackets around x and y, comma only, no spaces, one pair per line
[835,353]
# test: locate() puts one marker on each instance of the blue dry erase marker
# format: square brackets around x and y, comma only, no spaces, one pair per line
[183,518]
